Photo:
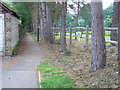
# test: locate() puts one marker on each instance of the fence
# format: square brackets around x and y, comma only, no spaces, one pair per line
[81,29]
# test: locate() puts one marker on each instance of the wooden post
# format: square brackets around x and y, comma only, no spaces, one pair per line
[87,37]
[37,33]
[75,36]
[81,33]
[54,33]
[70,36]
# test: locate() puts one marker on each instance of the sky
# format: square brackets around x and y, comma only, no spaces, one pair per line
[107,3]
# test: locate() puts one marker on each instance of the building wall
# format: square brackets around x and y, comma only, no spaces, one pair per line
[11,33]
[15,31]
[8,29]
[2,34]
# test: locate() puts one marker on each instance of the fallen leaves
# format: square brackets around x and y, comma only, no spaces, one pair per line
[77,66]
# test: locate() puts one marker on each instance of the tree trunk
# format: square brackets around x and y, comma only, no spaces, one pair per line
[119,34]
[41,20]
[78,14]
[114,33]
[63,31]
[38,26]
[49,25]
[57,26]
[98,37]
[46,23]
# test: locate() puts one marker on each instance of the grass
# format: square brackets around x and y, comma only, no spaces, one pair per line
[34,35]
[15,50]
[57,81]
[67,53]
[77,66]
[107,34]
[53,77]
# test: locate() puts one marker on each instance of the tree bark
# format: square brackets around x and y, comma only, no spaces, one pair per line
[119,34]
[43,19]
[114,33]
[38,26]
[63,31]
[87,37]
[78,14]
[98,37]
[46,23]
[49,25]
[57,26]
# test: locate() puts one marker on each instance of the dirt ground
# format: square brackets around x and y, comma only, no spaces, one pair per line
[77,64]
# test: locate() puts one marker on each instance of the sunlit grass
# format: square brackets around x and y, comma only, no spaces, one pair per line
[53,77]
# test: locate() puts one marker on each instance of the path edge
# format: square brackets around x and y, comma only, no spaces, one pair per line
[39,77]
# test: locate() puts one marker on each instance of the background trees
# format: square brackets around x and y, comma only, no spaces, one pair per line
[23,10]
[108,13]
[45,22]
[114,34]
[55,14]
[85,12]
[98,37]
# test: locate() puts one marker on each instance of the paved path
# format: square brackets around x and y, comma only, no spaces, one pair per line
[21,71]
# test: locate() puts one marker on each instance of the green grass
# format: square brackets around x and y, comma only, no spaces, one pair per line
[57,81]
[34,34]
[58,37]
[107,34]
[53,77]
[15,50]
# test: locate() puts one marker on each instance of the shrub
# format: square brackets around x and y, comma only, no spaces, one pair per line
[68,53]
[14,51]
[112,50]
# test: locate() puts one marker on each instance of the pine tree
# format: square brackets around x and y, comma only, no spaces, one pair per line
[63,31]
[119,33]
[98,37]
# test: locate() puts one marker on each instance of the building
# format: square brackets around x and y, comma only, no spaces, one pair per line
[9,31]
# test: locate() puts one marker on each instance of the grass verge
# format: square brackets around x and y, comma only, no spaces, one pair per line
[15,50]
[53,77]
